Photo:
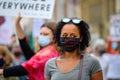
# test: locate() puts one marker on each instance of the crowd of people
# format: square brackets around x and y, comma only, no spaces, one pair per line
[63,53]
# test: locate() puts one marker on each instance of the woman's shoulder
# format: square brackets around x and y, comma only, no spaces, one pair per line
[90,59]
[92,63]
[51,61]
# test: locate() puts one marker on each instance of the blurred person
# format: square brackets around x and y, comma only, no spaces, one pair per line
[13,41]
[109,49]
[5,61]
[18,58]
[72,36]
[113,68]
[34,66]
[99,47]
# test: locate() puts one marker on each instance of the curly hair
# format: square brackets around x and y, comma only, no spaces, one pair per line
[83,29]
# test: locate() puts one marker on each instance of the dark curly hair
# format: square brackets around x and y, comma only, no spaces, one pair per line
[83,29]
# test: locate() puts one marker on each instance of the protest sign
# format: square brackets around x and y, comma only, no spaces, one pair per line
[5,31]
[28,8]
[115,28]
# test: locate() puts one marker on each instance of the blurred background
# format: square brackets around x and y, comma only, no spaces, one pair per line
[103,17]
[97,13]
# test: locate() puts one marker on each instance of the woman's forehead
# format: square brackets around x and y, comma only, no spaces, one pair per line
[70,28]
[45,29]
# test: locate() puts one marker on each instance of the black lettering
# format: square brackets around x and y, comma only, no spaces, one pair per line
[4,5]
[16,4]
[42,0]
[10,5]
[1,3]
[23,6]
[48,7]
[36,6]
[31,6]
[42,6]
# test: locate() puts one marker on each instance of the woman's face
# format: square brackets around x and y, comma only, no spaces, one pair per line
[44,31]
[70,30]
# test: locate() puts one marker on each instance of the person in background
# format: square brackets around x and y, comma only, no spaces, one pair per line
[113,68]
[99,50]
[5,61]
[34,66]
[109,49]
[12,41]
[72,36]
[18,58]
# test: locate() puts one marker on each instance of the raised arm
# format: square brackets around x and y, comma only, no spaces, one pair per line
[28,53]
[19,30]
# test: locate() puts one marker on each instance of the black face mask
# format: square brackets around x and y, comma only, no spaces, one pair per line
[2,62]
[69,44]
[102,51]
[17,54]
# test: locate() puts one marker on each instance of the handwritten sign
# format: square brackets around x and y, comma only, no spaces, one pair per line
[28,8]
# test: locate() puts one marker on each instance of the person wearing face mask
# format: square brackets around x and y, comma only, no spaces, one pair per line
[99,47]
[34,66]
[18,58]
[113,69]
[72,36]
[5,61]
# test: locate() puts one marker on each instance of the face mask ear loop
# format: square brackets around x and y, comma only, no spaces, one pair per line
[79,51]
[61,49]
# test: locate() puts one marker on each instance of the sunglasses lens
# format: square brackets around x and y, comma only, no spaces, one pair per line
[76,21]
[66,20]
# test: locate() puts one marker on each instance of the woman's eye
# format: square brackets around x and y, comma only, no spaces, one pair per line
[64,35]
[44,34]
[73,35]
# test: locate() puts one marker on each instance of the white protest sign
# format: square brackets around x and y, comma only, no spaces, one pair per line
[115,28]
[28,8]
[5,31]
[37,23]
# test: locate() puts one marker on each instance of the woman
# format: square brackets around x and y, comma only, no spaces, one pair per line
[73,36]
[34,67]
[5,61]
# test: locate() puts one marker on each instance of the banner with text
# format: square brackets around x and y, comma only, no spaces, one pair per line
[28,8]
[115,28]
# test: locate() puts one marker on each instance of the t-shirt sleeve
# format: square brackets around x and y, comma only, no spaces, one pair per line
[95,66]
[33,64]
[46,69]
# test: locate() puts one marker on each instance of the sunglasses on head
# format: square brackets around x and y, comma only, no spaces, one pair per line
[74,20]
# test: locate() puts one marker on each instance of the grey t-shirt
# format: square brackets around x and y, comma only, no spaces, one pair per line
[90,66]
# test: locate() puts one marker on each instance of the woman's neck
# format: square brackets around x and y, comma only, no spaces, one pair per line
[70,55]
